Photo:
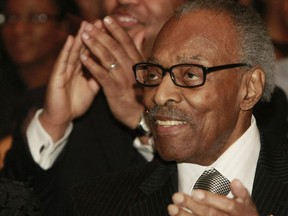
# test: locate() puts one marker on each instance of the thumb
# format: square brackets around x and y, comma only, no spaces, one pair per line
[239,191]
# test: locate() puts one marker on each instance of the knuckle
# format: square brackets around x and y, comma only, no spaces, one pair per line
[127,40]
[101,76]
[231,206]
[114,46]
[107,57]
[212,212]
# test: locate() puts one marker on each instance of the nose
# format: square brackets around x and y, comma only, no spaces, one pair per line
[167,91]
[111,5]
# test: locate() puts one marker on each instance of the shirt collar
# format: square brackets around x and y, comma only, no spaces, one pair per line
[238,161]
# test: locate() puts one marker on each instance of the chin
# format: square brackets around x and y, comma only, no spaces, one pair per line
[169,154]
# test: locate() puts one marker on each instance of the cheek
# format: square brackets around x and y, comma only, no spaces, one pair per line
[224,90]
[7,33]
[216,112]
[207,109]
[51,34]
[109,6]
[45,32]
[148,95]
[159,12]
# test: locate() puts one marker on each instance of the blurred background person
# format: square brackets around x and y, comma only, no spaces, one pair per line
[32,34]
[275,15]
[245,2]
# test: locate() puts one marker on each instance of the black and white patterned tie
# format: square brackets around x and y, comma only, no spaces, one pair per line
[213,181]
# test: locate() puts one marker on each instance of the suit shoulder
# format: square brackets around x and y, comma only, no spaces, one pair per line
[114,179]
[119,189]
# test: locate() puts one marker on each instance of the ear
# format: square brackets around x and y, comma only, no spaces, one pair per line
[253,89]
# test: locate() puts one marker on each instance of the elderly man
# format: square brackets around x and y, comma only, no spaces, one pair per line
[210,64]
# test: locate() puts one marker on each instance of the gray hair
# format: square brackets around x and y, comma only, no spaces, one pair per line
[255,42]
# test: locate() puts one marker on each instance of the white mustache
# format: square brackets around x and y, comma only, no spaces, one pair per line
[167,112]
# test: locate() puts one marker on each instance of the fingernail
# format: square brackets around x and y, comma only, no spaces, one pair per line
[88,27]
[83,57]
[98,24]
[178,198]
[173,210]
[85,35]
[108,20]
[198,195]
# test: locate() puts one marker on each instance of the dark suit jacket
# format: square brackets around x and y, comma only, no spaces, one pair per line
[272,116]
[17,199]
[98,144]
[147,190]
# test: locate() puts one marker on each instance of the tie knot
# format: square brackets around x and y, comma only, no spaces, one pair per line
[213,181]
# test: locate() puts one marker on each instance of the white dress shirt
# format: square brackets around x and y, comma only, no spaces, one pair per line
[237,162]
[44,151]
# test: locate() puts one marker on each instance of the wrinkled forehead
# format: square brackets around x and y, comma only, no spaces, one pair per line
[203,33]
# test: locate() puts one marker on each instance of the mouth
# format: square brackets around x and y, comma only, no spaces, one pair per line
[126,20]
[169,127]
[168,120]
[169,123]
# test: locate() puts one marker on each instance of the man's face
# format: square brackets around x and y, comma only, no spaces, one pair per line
[196,124]
[142,16]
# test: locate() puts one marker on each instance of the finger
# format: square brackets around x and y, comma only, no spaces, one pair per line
[99,24]
[106,58]
[61,62]
[240,192]
[179,199]
[97,71]
[98,50]
[242,196]
[74,67]
[109,51]
[123,38]
[77,48]
[175,210]
[106,48]
[185,205]
[206,203]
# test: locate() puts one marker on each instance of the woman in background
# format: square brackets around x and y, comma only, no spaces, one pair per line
[32,34]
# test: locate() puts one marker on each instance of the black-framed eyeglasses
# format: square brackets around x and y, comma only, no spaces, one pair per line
[183,75]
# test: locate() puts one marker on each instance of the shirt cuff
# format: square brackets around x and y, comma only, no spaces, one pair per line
[147,150]
[43,150]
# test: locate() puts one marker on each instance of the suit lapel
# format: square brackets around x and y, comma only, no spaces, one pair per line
[270,188]
[158,189]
